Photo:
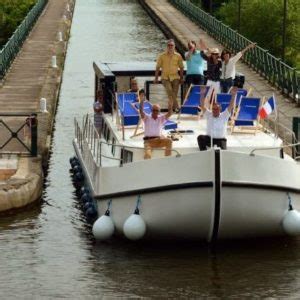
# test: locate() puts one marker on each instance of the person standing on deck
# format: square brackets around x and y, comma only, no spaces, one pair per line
[169,62]
[98,112]
[133,86]
[228,67]
[195,65]
[153,125]
[213,73]
[216,125]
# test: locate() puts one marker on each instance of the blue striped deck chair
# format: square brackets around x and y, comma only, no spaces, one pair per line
[224,100]
[193,99]
[148,110]
[240,93]
[247,114]
[129,116]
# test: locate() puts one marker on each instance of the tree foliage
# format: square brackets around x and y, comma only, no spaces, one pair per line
[262,22]
[12,13]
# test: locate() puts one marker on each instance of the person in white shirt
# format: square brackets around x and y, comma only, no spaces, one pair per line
[153,125]
[216,126]
[228,67]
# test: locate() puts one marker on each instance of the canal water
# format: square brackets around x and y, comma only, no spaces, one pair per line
[48,251]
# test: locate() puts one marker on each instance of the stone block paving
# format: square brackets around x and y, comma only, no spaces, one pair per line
[23,85]
[184,29]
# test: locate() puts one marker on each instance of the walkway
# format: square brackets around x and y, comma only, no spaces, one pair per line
[31,76]
[184,29]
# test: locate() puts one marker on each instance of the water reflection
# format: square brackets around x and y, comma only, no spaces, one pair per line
[238,270]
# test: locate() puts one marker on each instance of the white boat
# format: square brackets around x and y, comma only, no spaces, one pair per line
[252,189]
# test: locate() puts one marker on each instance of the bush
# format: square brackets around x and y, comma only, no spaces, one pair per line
[12,13]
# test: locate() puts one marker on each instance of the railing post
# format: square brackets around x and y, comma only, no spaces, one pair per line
[34,135]
[296,129]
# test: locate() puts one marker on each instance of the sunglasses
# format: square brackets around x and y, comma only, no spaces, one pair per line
[157,110]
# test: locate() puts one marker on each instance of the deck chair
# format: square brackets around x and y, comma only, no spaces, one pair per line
[127,116]
[148,110]
[241,93]
[247,116]
[193,99]
[224,100]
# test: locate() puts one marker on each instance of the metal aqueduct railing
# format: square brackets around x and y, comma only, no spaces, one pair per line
[12,47]
[279,74]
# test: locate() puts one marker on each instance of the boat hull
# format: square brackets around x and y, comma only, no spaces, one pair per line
[207,195]
[191,213]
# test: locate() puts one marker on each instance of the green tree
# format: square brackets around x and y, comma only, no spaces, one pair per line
[12,13]
[206,4]
[261,21]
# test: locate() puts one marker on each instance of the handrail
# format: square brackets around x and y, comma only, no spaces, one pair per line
[278,73]
[23,133]
[14,44]
[274,148]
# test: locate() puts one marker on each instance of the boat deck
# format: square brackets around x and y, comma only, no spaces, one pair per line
[243,140]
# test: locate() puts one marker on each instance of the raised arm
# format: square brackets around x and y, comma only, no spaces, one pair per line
[250,46]
[202,104]
[231,104]
[142,114]
[202,45]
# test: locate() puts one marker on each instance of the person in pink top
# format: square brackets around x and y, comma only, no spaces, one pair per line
[153,125]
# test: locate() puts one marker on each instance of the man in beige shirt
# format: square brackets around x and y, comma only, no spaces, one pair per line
[169,62]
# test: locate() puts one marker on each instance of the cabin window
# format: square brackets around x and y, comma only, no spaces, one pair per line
[126,156]
[113,147]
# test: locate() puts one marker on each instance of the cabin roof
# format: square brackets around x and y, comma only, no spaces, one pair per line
[130,68]
[139,68]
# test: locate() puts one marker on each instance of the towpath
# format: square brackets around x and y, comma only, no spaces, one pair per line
[184,29]
[31,76]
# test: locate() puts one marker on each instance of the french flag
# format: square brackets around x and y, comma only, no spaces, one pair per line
[268,108]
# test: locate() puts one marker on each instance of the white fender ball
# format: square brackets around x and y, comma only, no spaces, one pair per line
[134,227]
[103,228]
[291,222]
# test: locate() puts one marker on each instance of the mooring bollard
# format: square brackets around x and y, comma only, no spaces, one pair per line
[53,62]
[43,105]
[60,36]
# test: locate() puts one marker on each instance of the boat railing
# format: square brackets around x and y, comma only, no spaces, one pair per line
[89,140]
[290,144]
[274,148]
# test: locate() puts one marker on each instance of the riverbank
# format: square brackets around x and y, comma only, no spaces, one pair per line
[32,76]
